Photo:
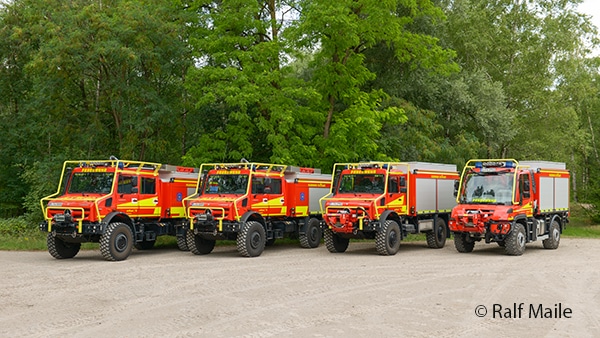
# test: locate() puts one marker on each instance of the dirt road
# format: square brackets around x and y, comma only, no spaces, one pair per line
[289,291]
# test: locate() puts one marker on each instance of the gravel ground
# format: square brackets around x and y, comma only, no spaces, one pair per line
[289,291]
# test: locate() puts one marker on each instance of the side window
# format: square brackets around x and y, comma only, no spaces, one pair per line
[125,185]
[148,186]
[525,185]
[393,185]
[273,186]
[266,185]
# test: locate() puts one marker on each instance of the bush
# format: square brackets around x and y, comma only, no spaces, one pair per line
[18,226]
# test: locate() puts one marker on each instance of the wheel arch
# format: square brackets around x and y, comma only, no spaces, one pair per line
[253,216]
[120,217]
[390,215]
[558,219]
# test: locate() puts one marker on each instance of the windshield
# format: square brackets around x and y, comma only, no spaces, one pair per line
[226,184]
[91,183]
[494,188]
[361,183]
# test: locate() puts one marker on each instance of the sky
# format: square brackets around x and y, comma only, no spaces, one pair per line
[591,8]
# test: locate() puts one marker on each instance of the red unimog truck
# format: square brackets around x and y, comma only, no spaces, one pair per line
[254,204]
[386,201]
[119,204]
[511,203]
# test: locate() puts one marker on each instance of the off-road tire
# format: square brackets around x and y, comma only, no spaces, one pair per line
[117,242]
[312,236]
[436,239]
[461,243]
[553,240]
[202,246]
[144,245]
[515,241]
[182,242]
[387,240]
[190,241]
[60,249]
[335,243]
[251,239]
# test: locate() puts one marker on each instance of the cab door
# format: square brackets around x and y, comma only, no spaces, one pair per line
[148,204]
[128,194]
[526,193]
[259,201]
[274,194]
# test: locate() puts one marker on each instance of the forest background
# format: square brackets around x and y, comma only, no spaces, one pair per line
[299,82]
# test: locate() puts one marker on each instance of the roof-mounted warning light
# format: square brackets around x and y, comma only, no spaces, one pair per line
[478,165]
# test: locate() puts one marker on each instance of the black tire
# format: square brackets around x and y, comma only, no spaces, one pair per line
[312,237]
[515,241]
[251,240]
[335,243]
[553,241]
[436,239]
[144,245]
[60,249]
[462,243]
[182,243]
[117,242]
[202,246]
[190,241]
[387,240]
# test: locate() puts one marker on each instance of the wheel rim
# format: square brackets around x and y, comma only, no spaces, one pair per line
[392,238]
[313,234]
[556,234]
[255,240]
[121,242]
[521,239]
[440,234]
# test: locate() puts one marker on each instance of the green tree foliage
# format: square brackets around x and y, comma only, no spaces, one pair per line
[89,79]
[340,34]
[302,82]
[250,104]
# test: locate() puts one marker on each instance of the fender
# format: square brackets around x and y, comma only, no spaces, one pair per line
[117,216]
[391,215]
[253,216]
[518,219]
[557,218]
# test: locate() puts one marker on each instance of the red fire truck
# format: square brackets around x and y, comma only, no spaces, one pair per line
[254,204]
[511,203]
[119,204]
[386,201]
